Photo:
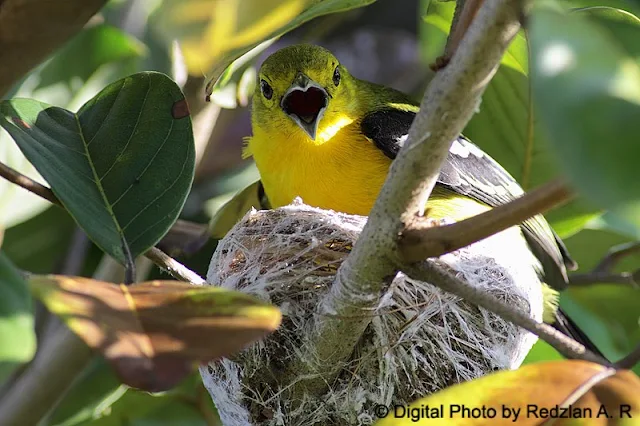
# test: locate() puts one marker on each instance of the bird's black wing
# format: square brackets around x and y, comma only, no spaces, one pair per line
[470,171]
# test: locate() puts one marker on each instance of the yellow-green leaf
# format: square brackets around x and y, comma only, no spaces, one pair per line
[153,332]
[530,396]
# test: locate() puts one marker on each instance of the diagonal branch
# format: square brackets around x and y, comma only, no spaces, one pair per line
[430,272]
[453,94]
[420,241]
[29,184]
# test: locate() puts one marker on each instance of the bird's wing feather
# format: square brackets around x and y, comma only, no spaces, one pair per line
[470,171]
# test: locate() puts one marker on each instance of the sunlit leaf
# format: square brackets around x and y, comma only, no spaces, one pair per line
[152,333]
[17,336]
[122,165]
[586,76]
[214,33]
[530,396]
[503,125]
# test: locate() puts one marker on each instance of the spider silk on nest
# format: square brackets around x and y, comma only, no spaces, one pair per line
[420,339]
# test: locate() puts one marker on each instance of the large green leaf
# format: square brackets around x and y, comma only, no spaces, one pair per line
[92,59]
[201,26]
[17,336]
[586,76]
[122,165]
[504,125]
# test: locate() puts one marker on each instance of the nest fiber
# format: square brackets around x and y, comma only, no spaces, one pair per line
[420,340]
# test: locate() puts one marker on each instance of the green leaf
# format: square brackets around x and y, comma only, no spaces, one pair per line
[504,125]
[586,76]
[187,405]
[79,59]
[17,336]
[242,24]
[542,351]
[90,397]
[36,245]
[95,57]
[122,165]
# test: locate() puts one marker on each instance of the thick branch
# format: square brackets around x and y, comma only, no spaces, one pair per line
[430,272]
[421,241]
[30,30]
[447,106]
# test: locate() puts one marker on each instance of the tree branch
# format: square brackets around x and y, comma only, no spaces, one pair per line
[465,11]
[629,361]
[437,273]
[29,184]
[447,106]
[603,272]
[30,30]
[176,269]
[616,254]
[420,240]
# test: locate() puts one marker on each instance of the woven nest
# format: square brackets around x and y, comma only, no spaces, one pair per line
[420,340]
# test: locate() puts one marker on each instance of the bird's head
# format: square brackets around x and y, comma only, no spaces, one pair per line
[302,88]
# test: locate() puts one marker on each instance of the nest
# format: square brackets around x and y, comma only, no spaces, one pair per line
[420,340]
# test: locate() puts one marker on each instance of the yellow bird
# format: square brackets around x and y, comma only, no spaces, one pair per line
[323,135]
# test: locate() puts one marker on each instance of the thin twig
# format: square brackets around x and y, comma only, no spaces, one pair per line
[465,11]
[173,267]
[29,184]
[603,272]
[420,240]
[591,278]
[437,274]
[616,254]
[629,361]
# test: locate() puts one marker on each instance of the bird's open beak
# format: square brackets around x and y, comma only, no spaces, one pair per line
[305,102]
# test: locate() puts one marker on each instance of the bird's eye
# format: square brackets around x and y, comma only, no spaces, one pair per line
[336,76]
[266,90]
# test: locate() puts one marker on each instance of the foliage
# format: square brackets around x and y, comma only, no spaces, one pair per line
[132,160]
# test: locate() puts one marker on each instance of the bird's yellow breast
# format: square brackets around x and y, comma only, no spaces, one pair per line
[344,171]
